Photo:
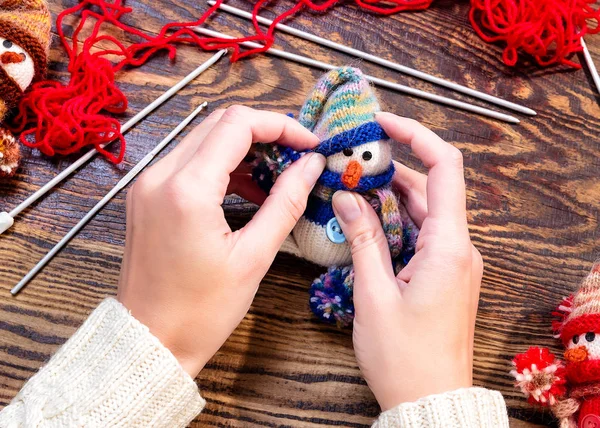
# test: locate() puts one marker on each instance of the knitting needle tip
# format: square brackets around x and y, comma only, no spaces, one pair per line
[591,66]
[6,222]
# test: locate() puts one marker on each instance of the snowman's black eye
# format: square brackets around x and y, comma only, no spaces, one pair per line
[7,44]
[575,339]
[348,152]
[590,336]
[367,156]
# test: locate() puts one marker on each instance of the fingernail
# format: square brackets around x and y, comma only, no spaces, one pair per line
[346,206]
[314,168]
[382,113]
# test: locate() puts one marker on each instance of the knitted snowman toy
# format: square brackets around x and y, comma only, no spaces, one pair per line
[340,111]
[24,42]
[571,389]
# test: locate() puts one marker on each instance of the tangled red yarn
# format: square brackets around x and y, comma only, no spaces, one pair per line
[62,119]
[548,30]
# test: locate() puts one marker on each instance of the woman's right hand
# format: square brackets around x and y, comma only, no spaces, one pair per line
[413,333]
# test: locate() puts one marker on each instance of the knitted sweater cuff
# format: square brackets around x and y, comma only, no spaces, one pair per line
[113,371]
[463,408]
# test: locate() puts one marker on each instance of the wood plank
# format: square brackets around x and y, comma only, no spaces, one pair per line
[533,193]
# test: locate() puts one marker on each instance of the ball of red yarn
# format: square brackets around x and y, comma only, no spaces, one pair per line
[548,30]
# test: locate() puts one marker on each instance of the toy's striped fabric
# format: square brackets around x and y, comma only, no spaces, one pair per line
[341,101]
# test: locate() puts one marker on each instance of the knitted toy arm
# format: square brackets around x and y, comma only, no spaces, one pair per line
[565,411]
[540,376]
[269,161]
[10,154]
[111,372]
[400,231]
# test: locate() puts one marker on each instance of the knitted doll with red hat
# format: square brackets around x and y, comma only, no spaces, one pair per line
[24,42]
[571,389]
[341,112]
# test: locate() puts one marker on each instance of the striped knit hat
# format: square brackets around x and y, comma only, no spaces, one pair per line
[27,23]
[585,310]
[341,111]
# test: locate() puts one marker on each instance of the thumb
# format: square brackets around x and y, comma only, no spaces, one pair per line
[370,252]
[286,203]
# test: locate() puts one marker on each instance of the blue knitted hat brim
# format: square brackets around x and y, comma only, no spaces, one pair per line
[366,133]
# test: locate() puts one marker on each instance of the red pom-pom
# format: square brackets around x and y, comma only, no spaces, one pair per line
[539,376]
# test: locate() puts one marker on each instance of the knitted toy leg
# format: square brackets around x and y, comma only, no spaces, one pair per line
[331,296]
[10,153]
[289,246]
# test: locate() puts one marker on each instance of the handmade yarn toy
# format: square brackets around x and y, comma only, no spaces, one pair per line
[24,43]
[571,389]
[340,111]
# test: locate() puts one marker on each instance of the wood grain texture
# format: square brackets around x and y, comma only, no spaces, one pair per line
[533,199]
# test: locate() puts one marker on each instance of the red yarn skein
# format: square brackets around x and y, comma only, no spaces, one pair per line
[549,30]
[63,119]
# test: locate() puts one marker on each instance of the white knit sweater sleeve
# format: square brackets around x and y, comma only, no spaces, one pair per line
[464,408]
[112,372]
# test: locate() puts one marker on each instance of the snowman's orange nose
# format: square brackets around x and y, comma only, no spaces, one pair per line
[352,174]
[11,58]
[576,355]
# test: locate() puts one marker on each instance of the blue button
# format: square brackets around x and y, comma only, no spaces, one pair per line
[334,232]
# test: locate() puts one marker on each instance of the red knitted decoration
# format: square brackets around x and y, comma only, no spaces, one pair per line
[540,376]
[549,30]
[580,325]
[560,315]
[66,118]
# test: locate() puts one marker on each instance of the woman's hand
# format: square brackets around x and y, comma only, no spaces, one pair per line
[185,274]
[413,334]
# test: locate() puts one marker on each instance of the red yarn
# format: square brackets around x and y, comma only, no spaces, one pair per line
[560,315]
[580,325]
[63,119]
[540,376]
[584,372]
[549,30]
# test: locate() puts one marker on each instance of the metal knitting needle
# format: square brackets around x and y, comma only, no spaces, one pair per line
[120,185]
[591,65]
[7,218]
[384,83]
[377,60]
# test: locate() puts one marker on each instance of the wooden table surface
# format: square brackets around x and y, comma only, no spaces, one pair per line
[533,199]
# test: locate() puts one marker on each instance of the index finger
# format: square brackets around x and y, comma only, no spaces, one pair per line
[446,194]
[229,141]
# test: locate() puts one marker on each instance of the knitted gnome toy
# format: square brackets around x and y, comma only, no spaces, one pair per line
[24,42]
[340,111]
[570,389]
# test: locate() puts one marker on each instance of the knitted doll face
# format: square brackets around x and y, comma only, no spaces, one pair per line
[361,161]
[583,347]
[17,64]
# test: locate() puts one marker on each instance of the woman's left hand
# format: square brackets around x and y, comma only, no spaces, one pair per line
[185,274]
